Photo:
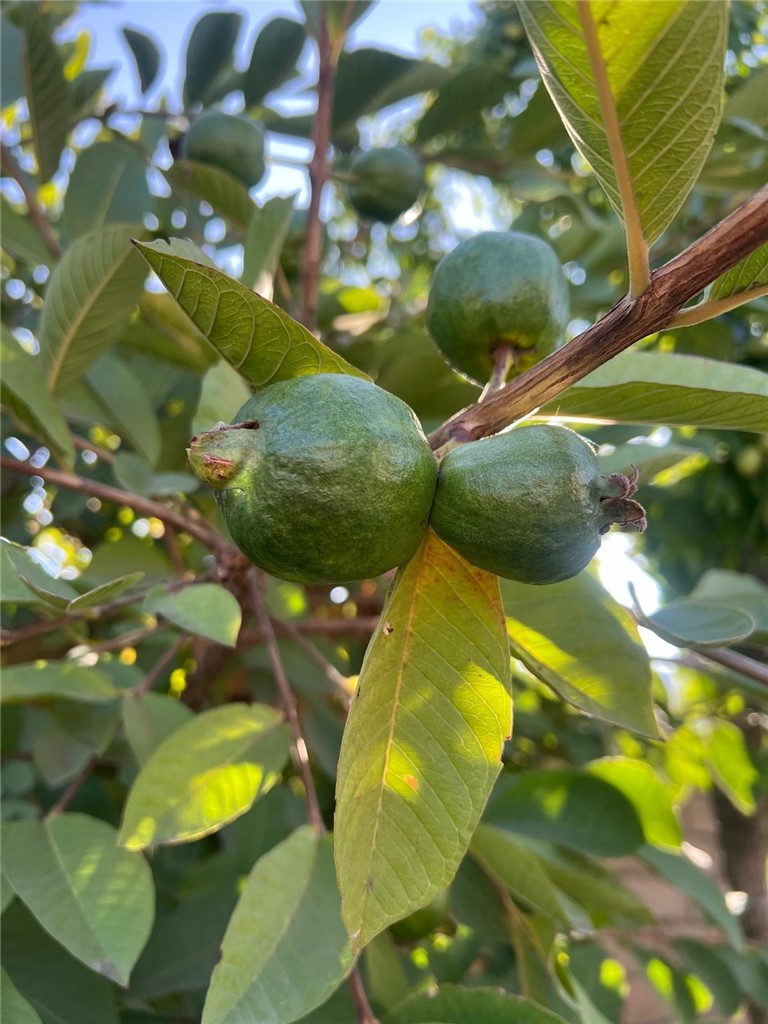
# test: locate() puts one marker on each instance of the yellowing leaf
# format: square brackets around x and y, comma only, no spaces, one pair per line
[423,741]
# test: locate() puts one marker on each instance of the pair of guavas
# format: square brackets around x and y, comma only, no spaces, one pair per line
[329,478]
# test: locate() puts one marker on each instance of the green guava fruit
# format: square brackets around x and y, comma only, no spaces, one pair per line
[497,288]
[385,182]
[321,479]
[531,504]
[232,143]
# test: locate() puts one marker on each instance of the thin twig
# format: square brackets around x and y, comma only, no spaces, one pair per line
[332,674]
[637,247]
[36,215]
[160,665]
[721,248]
[73,788]
[146,506]
[88,446]
[319,171]
[709,309]
[365,1014]
[363,625]
[299,746]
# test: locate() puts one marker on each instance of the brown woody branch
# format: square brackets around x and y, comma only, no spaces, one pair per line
[672,285]
[105,492]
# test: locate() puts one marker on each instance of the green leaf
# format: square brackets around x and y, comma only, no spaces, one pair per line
[20,237]
[453,1004]
[149,719]
[228,196]
[127,404]
[289,901]
[209,51]
[205,774]
[423,740]
[671,389]
[90,295]
[16,1009]
[105,592]
[24,392]
[273,58]
[652,799]
[461,100]
[223,392]
[687,622]
[56,680]
[650,459]
[205,609]
[94,898]
[11,65]
[108,184]
[264,242]
[751,272]
[684,875]
[22,579]
[146,55]
[712,969]
[578,640]
[67,734]
[567,807]
[86,88]
[518,869]
[386,980]
[731,765]
[256,337]
[47,91]
[60,988]
[737,590]
[665,69]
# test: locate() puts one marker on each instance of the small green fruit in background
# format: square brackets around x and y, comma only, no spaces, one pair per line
[423,922]
[497,288]
[385,182]
[530,505]
[232,143]
[321,479]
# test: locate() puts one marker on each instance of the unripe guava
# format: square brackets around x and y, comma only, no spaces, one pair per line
[321,479]
[385,182]
[531,504]
[497,288]
[227,141]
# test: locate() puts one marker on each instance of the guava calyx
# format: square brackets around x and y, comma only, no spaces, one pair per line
[216,456]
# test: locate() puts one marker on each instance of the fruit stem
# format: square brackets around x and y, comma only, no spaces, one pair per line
[504,360]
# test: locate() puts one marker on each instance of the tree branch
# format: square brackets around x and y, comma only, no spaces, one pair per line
[319,172]
[159,667]
[721,248]
[146,506]
[365,1014]
[299,746]
[36,215]
[72,790]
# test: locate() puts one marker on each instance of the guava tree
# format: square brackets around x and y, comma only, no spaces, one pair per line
[245,789]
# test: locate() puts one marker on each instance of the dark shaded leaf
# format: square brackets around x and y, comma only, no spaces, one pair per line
[209,51]
[146,55]
[273,59]
[116,173]
[48,95]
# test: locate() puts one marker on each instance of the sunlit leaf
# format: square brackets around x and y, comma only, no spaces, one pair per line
[256,337]
[665,68]
[289,900]
[518,869]
[649,795]
[667,388]
[64,680]
[23,390]
[576,638]
[47,92]
[206,773]
[423,740]
[96,899]
[731,764]
[205,609]
[750,273]
[568,807]
[115,172]
[209,51]
[227,195]
[91,294]
[146,55]
[105,592]
[273,58]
